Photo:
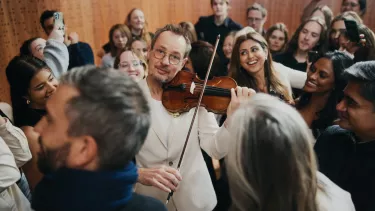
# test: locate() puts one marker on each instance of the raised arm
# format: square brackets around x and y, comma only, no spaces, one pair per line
[56,54]
[214,140]
[296,78]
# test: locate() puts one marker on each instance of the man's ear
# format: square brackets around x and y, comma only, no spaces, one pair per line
[184,62]
[84,153]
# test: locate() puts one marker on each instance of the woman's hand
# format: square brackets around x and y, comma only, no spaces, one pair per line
[239,96]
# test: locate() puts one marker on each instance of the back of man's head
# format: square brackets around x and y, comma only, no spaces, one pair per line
[112,109]
[363,73]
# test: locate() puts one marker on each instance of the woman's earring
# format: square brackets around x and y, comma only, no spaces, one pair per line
[27,102]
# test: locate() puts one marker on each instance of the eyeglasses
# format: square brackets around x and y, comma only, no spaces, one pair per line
[350,4]
[255,20]
[134,63]
[160,54]
[140,49]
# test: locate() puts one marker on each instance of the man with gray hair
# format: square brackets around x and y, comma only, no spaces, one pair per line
[346,153]
[96,122]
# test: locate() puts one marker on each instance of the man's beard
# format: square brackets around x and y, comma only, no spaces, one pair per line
[159,78]
[50,161]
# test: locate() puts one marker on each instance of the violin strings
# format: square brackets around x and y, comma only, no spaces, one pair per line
[214,91]
[211,89]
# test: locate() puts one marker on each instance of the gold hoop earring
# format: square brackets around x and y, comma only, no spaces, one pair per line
[27,102]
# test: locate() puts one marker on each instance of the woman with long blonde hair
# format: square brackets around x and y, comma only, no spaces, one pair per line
[271,164]
[137,24]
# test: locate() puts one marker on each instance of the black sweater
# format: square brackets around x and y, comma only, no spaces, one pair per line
[348,163]
[143,203]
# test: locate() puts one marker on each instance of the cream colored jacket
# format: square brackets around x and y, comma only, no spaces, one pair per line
[14,152]
[195,192]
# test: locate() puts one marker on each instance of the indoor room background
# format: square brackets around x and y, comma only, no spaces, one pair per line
[92,19]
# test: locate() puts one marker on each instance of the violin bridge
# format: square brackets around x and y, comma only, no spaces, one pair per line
[192,87]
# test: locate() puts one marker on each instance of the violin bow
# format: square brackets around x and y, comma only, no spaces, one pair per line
[195,112]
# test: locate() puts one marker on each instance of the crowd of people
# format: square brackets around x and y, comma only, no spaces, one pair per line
[298,133]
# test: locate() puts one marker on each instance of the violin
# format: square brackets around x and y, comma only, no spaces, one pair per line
[182,93]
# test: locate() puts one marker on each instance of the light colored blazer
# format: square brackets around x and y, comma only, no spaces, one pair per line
[332,197]
[295,78]
[14,152]
[195,191]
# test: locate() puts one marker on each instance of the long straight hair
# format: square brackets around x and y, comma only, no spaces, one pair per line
[145,34]
[271,163]
[243,78]
[123,30]
[281,27]
[320,46]
[20,71]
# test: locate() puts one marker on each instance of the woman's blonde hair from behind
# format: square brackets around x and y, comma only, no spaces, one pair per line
[271,163]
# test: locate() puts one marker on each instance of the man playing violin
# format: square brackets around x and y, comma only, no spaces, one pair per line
[158,158]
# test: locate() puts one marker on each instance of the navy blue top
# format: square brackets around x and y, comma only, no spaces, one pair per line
[80,54]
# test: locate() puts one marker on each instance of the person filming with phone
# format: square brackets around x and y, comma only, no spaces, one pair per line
[80,53]
[359,41]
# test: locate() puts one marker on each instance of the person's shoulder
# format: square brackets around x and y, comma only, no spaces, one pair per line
[332,197]
[336,138]
[280,57]
[84,44]
[143,203]
[205,19]
[234,25]
[336,130]
[107,56]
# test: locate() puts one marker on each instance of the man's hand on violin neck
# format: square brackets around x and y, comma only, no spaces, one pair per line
[165,178]
[239,96]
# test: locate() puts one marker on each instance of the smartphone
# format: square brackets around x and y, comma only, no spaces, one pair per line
[58,20]
[313,56]
[352,31]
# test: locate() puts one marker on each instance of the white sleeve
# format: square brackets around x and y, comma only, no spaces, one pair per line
[296,78]
[9,173]
[214,140]
[107,61]
[56,55]
[16,140]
